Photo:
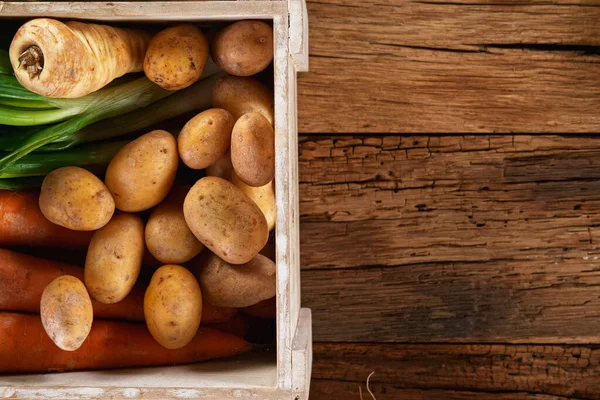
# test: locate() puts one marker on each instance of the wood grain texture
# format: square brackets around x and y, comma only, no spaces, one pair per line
[451,239]
[326,390]
[460,66]
[458,371]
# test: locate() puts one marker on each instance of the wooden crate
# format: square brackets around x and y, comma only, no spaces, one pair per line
[286,374]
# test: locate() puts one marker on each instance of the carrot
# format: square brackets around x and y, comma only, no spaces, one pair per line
[23,279]
[73,59]
[238,326]
[25,347]
[264,309]
[23,224]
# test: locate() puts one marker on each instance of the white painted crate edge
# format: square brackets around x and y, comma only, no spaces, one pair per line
[294,333]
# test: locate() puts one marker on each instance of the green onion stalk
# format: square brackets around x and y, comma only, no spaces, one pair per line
[33,123]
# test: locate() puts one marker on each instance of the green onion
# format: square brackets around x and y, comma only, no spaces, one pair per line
[34,182]
[105,103]
[40,164]
[194,98]
[26,104]
[24,117]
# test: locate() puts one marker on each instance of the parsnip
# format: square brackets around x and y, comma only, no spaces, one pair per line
[73,59]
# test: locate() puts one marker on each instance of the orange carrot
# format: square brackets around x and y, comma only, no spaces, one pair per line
[25,347]
[238,326]
[264,309]
[23,279]
[23,224]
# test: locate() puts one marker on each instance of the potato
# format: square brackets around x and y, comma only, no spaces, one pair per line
[227,285]
[173,306]
[168,237]
[141,174]
[222,168]
[176,56]
[76,199]
[243,48]
[253,149]
[263,196]
[66,312]
[225,220]
[114,258]
[242,95]
[205,138]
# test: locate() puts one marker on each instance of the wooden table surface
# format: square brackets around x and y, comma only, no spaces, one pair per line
[450,198]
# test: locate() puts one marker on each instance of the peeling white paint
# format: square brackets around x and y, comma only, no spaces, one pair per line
[131,393]
[185,393]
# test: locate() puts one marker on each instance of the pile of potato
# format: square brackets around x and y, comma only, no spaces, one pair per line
[207,236]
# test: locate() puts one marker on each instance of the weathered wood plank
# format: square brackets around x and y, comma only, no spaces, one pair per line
[434,371]
[421,66]
[327,390]
[483,238]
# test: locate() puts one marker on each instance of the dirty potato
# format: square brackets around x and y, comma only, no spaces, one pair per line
[141,174]
[66,312]
[244,48]
[176,57]
[114,258]
[227,285]
[168,237]
[76,199]
[205,138]
[222,168]
[225,220]
[242,95]
[253,149]
[173,306]
[263,196]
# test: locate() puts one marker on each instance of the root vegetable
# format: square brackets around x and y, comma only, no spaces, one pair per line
[66,311]
[227,285]
[114,258]
[76,199]
[225,220]
[253,149]
[23,279]
[242,95]
[141,174]
[263,196]
[26,348]
[176,57]
[205,138]
[168,238]
[73,59]
[222,168]
[22,223]
[244,48]
[173,306]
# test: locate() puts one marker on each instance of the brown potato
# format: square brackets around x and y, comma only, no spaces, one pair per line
[222,168]
[227,285]
[66,312]
[205,138]
[168,237]
[243,48]
[263,196]
[253,149]
[114,258]
[225,220]
[242,95]
[76,199]
[173,306]
[176,56]
[141,174]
